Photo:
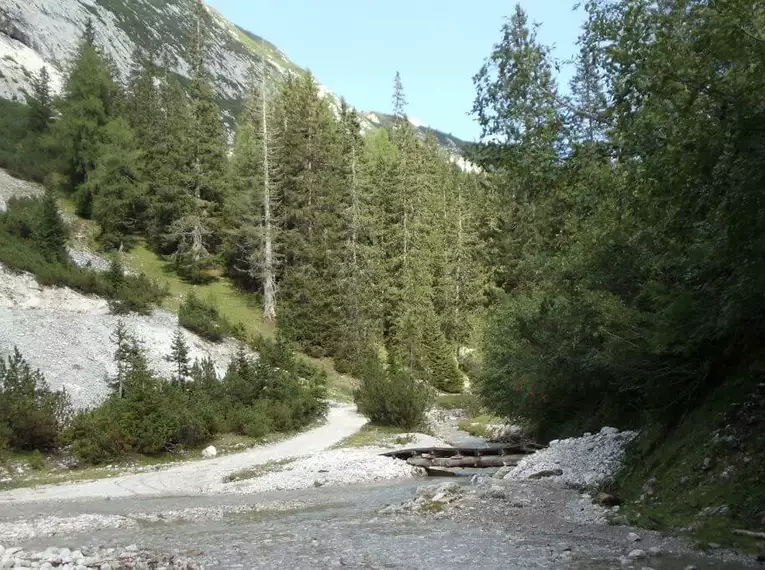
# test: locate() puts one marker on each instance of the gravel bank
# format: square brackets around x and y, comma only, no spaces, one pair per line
[101,558]
[336,467]
[67,336]
[580,461]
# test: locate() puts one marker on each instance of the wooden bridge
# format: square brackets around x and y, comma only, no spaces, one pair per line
[492,455]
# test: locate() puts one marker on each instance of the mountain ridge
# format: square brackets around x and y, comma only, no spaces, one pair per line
[40,33]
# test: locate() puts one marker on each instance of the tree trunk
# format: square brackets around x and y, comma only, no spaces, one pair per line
[269,280]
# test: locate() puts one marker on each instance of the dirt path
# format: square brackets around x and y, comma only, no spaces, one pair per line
[197,477]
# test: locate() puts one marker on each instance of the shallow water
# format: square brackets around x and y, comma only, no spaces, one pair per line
[340,527]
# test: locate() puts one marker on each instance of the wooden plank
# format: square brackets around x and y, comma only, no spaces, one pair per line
[455,452]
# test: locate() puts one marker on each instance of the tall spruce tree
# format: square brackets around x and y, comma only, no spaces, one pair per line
[40,109]
[86,106]
[179,358]
[307,158]
[206,130]
[119,194]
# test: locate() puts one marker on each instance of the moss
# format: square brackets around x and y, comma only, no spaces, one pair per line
[727,430]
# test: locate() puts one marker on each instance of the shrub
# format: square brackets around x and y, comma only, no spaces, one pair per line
[392,396]
[253,421]
[203,318]
[31,239]
[31,415]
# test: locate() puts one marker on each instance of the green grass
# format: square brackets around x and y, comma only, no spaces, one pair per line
[237,307]
[377,436]
[468,402]
[478,426]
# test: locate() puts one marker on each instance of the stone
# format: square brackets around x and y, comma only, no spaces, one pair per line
[633,537]
[132,548]
[2,551]
[209,452]
[706,464]
[606,430]
[607,500]
[636,554]
[502,471]
[105,566]
[714,546]
[495,492]
[690,567]
[655,551]
[546,473]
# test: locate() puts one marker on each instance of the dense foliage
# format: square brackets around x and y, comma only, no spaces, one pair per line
[392,396]
[33,238]
[629,227]
[355,243]
[31,414]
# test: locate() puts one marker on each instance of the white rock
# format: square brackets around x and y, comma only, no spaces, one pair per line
[588,460]
[636,554]
[633,537]
[210,452]
[655,551]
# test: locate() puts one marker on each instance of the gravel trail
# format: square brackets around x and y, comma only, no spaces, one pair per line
[198,477]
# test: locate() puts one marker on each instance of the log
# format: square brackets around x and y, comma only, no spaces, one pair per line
[464,462]
[749,533]
[456,452]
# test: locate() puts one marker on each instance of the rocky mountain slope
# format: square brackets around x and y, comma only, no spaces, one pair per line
[34,33]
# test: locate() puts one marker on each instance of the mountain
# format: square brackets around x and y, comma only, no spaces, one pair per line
[34,33]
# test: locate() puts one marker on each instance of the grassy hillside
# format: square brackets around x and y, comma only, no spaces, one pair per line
[709,469]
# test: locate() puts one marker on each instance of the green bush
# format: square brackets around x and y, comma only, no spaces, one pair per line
[392,396]
[152,418]
[31,415]
[253,421]
[204,319]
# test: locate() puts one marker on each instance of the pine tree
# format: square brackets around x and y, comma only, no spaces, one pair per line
[51,231]
[309,180]
[123,342]
[358,271]
[87,105]
[206,133]
[168,160]
[179,357]
[119,195]
[40,109]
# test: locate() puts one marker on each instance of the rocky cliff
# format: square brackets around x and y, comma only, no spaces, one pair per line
[36,33]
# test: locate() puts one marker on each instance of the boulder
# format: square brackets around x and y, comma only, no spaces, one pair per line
[546,473]
[209,452]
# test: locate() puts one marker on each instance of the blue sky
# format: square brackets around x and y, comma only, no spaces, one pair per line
[356,47]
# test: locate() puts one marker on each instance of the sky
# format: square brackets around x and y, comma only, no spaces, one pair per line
[355,47]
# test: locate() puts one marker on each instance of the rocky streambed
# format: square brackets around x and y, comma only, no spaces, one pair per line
[512,519]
